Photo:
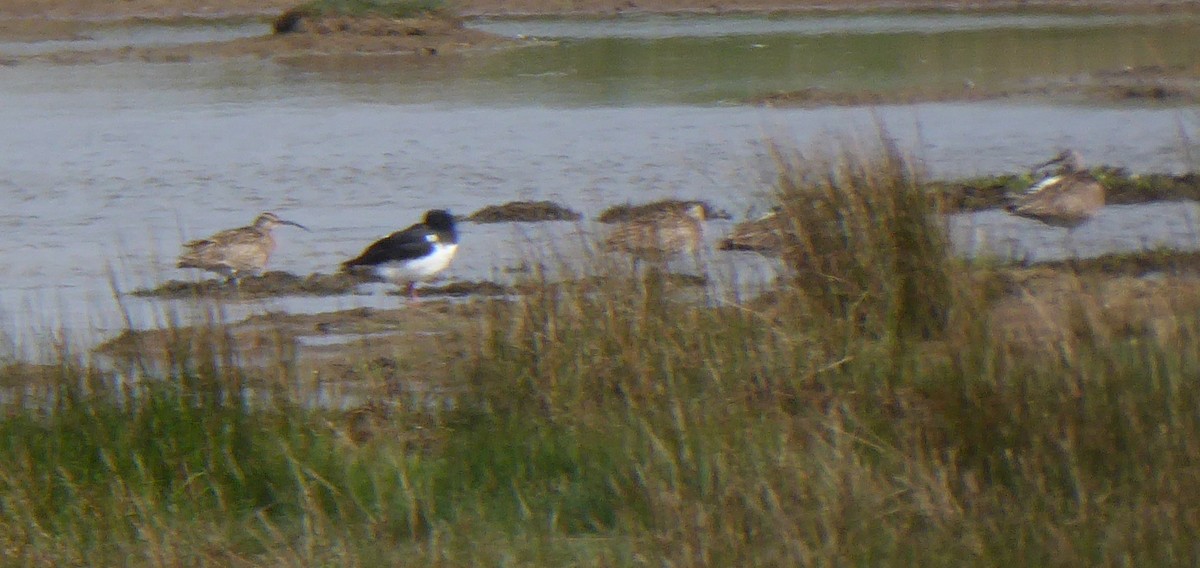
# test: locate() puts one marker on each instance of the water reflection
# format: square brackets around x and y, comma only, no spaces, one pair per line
[655,26]
[689,60]
[1116,228]
[107,36]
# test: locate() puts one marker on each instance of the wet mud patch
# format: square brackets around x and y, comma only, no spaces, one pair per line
[1047,306]
[93,9]
[280,283]
[524,212]
[269,284]
[1153,84]
[401,19]
[628,212]
[1121,188]
[426,35]
[1151,263]
[22,377]
[1044,308]
[462,288]
[359,353]
[490,289]
[30,30]
[977,194]
[818,97]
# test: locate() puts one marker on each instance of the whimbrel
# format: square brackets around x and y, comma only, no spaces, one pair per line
[413,254]
[1069,198]
[234,253]
[660,236]
[763,235]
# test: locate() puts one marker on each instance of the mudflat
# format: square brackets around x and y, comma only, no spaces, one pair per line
[108,9]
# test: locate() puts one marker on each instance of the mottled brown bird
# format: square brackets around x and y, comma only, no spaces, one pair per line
[763,235]
[233,253]
[659,236]
[1069,198]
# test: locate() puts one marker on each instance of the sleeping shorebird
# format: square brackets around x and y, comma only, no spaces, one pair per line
[660,236]
[761,235]
[233,253]
[416,253]
[1069,198]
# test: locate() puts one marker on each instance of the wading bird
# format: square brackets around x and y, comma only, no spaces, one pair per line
[417,253]
[1069,198]
[763,235]
[660,236]
[233,253]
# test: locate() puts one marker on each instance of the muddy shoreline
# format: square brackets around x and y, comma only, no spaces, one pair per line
[34,20]
[91,10]
[382,354]
[447,34]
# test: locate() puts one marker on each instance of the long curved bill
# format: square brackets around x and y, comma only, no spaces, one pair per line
[294,224]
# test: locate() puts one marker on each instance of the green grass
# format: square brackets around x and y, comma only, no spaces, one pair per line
[868,413]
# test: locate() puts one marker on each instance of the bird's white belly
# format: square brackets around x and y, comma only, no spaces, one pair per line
[419,268]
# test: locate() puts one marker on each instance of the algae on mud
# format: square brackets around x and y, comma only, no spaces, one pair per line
[279,283]
[524,212]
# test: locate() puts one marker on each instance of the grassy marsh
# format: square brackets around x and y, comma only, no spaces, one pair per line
[886,404]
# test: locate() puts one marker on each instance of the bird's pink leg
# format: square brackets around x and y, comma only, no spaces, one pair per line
[412,290]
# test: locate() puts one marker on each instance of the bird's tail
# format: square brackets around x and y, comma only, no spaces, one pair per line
[351,267]
[188,261]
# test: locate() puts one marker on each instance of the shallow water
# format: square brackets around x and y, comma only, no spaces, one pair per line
[104,36]
[715,59]
[657,26]
[1128,228]
[111,167]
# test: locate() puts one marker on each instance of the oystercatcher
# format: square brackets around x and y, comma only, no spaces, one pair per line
[414,254]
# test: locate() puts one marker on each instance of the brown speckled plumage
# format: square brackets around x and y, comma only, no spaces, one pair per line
[1069,198]
[660,236]
[234,253]
[760,235]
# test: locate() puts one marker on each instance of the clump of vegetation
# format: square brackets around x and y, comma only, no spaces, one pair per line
[883,404]
[524,212]
[384,8]
[629,212]
[1125,188]
[290,20]
[975,194]
[866,242]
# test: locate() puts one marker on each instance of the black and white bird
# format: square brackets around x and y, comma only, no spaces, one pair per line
[414,254]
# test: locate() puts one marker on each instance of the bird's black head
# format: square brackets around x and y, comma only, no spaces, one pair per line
[439,220]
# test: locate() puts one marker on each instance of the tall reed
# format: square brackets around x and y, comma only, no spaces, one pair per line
[871,410]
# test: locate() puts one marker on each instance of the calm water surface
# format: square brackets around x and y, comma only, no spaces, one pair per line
[108,168]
